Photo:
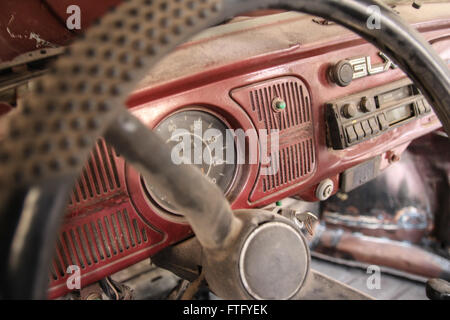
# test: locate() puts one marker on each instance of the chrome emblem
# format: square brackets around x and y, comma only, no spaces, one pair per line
[362,66]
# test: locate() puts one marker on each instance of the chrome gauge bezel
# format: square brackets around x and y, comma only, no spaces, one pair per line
[176,216]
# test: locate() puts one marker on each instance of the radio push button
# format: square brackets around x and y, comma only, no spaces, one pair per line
[427,105]
[366,127]
[359,131]
[383,122]
[420,106]
[374,125]
[351,134]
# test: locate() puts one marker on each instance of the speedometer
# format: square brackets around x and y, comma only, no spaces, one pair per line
[202,139]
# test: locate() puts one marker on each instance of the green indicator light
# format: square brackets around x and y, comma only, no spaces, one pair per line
[278,203]
[281,105]
[278,104]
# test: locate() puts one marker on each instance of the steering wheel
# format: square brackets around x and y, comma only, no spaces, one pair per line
[79,101]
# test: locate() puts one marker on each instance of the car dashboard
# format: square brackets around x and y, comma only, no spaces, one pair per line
[342,111]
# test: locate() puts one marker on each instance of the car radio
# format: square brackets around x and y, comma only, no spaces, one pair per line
[365,115]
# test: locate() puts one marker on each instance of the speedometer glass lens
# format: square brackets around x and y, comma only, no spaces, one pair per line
[202,139]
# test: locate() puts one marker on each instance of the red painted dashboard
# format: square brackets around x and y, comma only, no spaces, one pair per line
[233,71]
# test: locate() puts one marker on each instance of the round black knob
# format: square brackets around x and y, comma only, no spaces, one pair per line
[367,105]
[342,73]
[417,4]
[349,110]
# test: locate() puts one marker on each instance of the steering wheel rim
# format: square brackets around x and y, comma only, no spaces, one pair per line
[51,135]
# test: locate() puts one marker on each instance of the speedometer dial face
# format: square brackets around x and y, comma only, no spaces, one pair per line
[202,139]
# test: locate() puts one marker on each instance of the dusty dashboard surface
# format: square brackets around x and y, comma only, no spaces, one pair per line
[342,109]
[228,77]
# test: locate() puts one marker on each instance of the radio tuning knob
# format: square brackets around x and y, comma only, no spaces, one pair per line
[367,105]
[349,110]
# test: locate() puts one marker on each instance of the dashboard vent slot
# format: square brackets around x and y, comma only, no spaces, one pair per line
[297,104]
[296,161]
[99,176]
[296,154]
[99,240]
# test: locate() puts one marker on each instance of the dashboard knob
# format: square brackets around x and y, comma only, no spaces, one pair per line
[341,73]
[349,110]
[367,105]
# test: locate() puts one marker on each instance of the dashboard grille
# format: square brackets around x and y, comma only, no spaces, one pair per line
[102,232]
[100,239]
[99,176]
[295,161]
[297,109]
[296,154]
